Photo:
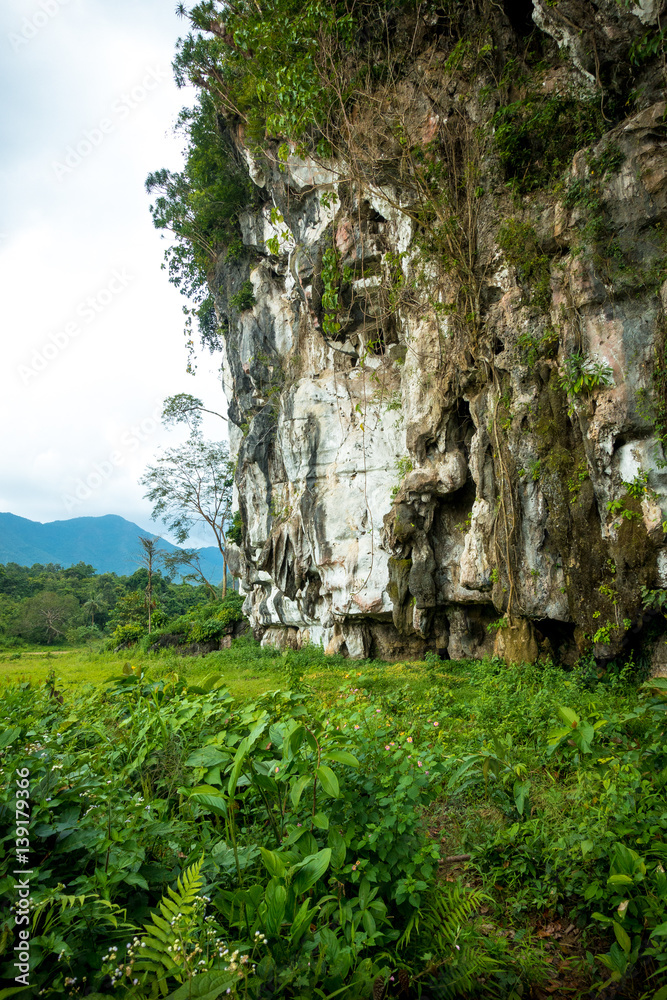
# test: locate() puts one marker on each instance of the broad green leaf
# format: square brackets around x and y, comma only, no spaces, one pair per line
[134,878]
[8,737]
[239,760]
[264,782]
[201,790]
[297,788]
[265,968]
[273,863]
[297,738]
[622,937]
[343,757]
[659,931]
[244,748]
[586,847]
[276,900]
[626,861]
[568,716]
[321,821]
[657,682]
[620,880]
[215,803]
[329,781]
[208,756]
[585,734]
[276,735]
[211,681]
[301,921]
[338,848]
[521,790]
[466,766]
[311,741]
[310,870]
[207,986]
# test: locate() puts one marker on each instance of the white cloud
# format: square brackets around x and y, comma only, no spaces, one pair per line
[92,331]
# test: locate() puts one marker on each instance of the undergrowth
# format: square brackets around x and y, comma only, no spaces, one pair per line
[296,844]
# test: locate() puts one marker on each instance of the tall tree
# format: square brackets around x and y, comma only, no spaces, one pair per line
[148,558]
[46,616]
[192,485]
[188,559]
[94,605]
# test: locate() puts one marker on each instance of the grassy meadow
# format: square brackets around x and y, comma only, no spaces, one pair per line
[290,825]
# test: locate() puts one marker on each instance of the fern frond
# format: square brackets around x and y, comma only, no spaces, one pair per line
[156,952]
[442,927]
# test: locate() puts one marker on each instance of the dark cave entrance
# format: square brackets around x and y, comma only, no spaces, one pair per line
[520,15]
[560,636]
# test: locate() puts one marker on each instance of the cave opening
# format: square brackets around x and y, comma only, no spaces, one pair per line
[520,15]
[560,636]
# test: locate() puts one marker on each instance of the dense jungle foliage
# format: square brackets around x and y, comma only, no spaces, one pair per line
[465,829]
[52,605]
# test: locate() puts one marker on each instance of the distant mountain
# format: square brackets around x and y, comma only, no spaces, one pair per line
[109,543]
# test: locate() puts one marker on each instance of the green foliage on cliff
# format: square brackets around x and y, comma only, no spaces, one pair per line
[518,241]
[284,67]
[537,137]
[199,205]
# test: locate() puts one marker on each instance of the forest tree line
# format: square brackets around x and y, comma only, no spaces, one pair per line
[50,604]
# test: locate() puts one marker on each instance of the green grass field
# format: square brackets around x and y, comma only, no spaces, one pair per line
[248,671]
[561,826]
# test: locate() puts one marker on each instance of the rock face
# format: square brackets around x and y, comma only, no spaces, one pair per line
[425,447]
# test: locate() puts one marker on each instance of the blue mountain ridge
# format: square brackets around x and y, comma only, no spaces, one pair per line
[108,543]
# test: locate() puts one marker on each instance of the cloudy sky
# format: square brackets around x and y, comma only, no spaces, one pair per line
[92,332]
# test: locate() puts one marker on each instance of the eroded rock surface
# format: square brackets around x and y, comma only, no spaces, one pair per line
[410,470]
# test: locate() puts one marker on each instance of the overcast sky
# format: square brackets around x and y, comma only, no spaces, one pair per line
[92,332]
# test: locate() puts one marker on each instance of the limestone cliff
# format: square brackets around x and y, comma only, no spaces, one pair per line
[446,383]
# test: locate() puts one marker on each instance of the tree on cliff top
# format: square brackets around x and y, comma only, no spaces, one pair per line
[190,485]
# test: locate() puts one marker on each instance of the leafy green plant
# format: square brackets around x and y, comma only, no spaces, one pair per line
[533,346]
[403,467]
[648,46]
[617,508]
[332,279]
[491,764]
[244,298]
[324,817]
[577,731]
[200,206]
[581,375]
[535,138]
